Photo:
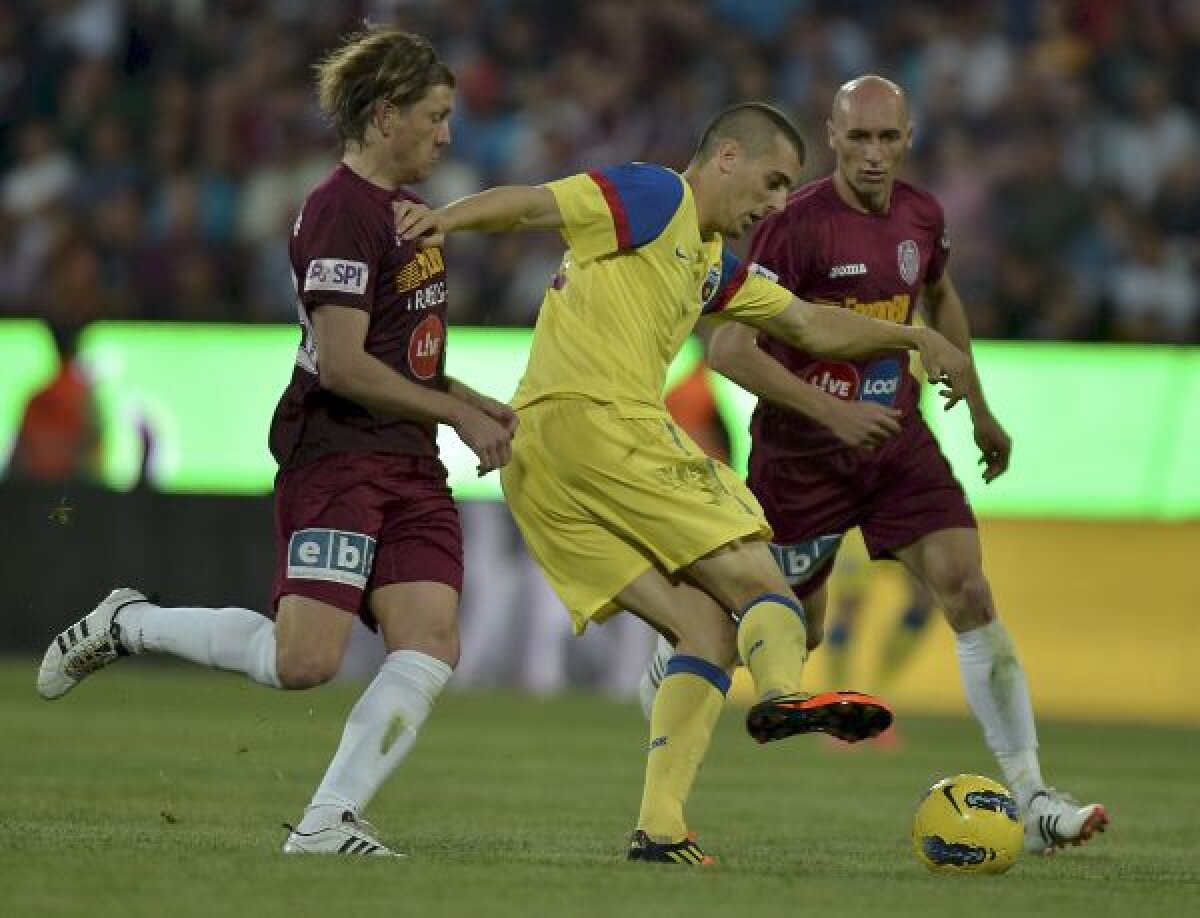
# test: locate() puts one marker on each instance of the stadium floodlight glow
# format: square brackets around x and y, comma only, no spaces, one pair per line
[1100,431]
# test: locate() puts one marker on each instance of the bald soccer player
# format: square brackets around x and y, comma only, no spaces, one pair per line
[840,443]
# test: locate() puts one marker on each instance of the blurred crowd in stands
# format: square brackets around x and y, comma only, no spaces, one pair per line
[153,153]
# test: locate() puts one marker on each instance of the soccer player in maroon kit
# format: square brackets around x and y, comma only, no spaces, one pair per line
[840,443]
[364,518]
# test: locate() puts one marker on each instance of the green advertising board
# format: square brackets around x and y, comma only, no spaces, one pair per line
[1099,431]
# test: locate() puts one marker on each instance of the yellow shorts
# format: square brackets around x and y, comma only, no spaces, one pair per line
[601,498]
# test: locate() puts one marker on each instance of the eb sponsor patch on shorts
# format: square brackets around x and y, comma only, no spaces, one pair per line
[331,554]
[803,559]
[336,275]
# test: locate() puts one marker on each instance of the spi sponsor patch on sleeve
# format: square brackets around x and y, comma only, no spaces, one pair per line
[331,554]
[335,275]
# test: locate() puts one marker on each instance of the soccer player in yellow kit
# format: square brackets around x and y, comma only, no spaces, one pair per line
[616,503]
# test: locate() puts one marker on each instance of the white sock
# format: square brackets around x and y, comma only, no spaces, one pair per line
[1023,772]
[379,732]
[996,690]
[239,640]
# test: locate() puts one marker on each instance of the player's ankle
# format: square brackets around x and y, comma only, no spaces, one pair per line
[319,815]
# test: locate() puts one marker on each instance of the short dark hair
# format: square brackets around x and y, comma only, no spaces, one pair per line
[754,124]
[377,64]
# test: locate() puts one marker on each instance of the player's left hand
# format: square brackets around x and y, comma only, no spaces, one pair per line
[419,222]
[995,445]
[946,365]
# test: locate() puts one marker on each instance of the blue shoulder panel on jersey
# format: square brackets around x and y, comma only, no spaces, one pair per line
[721,286]
[642,197]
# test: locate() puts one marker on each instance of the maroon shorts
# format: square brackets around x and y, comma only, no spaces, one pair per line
[901,494]
[350,523]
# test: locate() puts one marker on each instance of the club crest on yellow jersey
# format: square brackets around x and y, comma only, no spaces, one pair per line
[712,283]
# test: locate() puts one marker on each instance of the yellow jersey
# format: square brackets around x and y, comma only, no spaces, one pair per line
[635,278]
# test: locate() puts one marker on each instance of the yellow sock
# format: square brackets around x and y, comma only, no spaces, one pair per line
[685,712]
[771,639]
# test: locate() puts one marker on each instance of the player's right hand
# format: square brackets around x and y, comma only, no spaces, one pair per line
[946,365]
[499,411]
[487,438]
[862,425]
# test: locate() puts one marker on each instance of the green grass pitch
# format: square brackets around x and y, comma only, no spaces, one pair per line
[156,790]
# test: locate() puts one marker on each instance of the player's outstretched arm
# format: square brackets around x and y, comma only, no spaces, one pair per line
[838,332]
[493,408]
[346,369]
[733,352]
[504,209]
[944,312]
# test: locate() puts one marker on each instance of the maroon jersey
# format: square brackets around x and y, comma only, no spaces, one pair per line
[825,251]
[344,252]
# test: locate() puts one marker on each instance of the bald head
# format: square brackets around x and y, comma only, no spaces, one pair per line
[869,92]
[869,133]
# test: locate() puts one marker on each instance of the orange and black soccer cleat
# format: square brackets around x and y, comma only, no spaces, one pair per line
[641,848]
[848,716]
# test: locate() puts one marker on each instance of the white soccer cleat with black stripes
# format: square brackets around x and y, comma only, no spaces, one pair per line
[88,645]
[1054,819]
[344,834]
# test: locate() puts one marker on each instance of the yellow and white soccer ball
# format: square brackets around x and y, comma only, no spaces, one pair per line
[968,824]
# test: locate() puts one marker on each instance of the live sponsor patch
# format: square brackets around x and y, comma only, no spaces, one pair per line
[835,377]
[331,554]
[425,347]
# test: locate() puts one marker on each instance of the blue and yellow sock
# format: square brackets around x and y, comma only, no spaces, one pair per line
[771,640]
[901,643]
[837,652]
[686,709]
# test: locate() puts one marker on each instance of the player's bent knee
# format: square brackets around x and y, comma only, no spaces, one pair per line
[299,670]
[714,640]
[756,580]
[968,602]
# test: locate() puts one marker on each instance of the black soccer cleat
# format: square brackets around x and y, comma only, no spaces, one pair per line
[848,716]
[641,848]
